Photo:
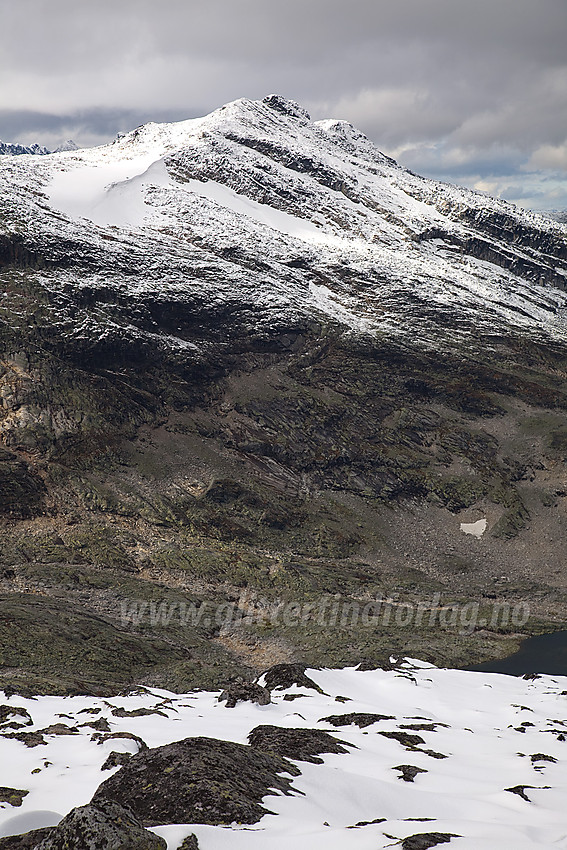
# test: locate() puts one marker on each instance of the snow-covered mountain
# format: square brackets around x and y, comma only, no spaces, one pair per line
[66,146]
[306,219]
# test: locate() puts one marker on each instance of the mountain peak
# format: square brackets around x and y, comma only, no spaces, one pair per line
[64,147]
[286,107]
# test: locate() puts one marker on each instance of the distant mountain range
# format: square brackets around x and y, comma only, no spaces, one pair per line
[558,215]
[9,149]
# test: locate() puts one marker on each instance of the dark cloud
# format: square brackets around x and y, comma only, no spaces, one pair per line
[480,87]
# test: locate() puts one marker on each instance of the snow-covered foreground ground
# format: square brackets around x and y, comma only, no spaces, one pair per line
[497,732]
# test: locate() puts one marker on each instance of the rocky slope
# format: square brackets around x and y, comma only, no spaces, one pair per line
[248,361]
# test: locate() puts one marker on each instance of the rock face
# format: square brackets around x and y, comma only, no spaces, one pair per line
[358,719]
[26,841]
[299,744]
[283,676]
[247,362]
[198,780]
[425,840]
[101,826]
[241,691]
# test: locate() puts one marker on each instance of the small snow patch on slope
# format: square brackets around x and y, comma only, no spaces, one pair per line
[327,303]
[477,528]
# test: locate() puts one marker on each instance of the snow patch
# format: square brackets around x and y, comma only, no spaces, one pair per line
[327,302]
[264,214]
[109,193]
[28,821]
[477,528]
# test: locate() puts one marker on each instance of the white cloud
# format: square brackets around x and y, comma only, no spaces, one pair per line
[550,157]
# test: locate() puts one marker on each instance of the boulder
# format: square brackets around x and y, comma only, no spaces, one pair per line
[300,744]
[241,691]
[198,780]
[101,825]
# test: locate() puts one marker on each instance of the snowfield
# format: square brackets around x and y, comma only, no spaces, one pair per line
[495,732]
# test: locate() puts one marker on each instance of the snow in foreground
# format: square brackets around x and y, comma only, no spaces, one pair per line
[497,732]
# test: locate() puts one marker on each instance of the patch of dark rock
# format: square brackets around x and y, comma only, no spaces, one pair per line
[12,796]
[284,676]
[100,725]
[90,711]
[423,727]
[59,729]
[137,712]
[9,712]
[30,739]
[520,790]
[101,737]
[25,841]
[291,697]
[559,736]
[425,840]
[542,757]
[101,825]
[198,780]
[285,106]
[433,754]
[300,744]
[116,760]
[21,490]
[404,738]
[224,490]
[408,771]
[241,691]
[190,843]
[366,823]
[341,699]
[359,719]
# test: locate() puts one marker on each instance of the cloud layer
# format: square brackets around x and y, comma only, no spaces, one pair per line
[469,92]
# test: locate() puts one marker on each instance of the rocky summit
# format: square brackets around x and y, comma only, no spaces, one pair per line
[257,377]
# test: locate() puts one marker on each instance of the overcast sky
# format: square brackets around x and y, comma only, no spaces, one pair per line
[470,91]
